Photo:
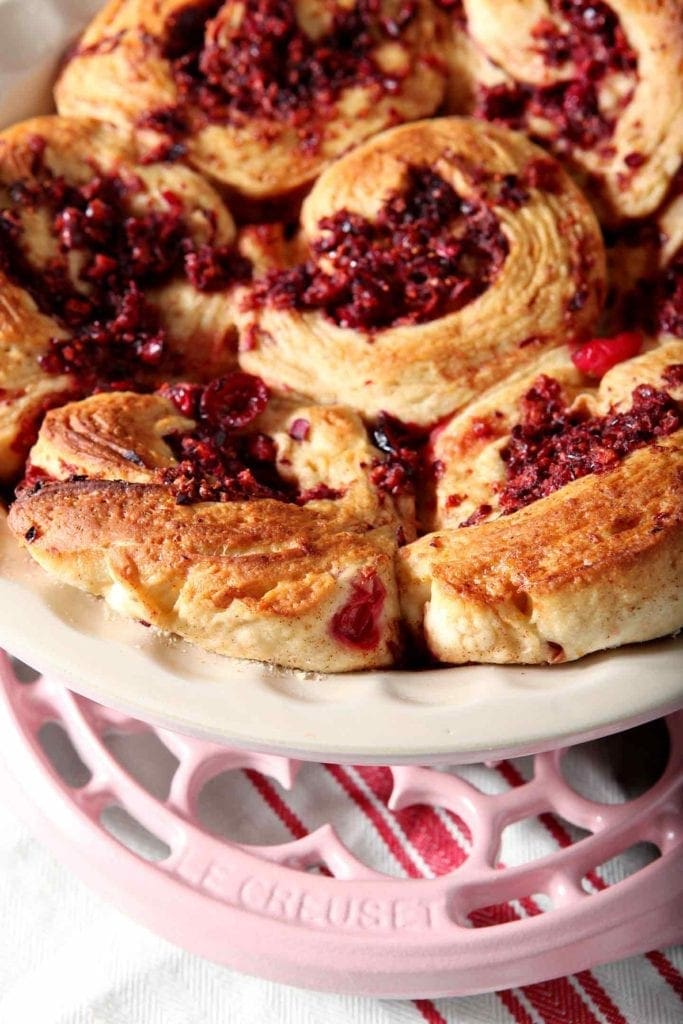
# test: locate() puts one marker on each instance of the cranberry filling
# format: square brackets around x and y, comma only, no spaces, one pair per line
[220,459]
[403,444]
[114,333]
[356,624]
[427,254]
[270,67]
[553,444]
[594,42]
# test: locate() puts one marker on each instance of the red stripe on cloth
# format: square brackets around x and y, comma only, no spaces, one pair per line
[667,970]
[364,804]
[442,852]
[586,980]
[556,1001]
[429,1011]
[273,800]
[420,824]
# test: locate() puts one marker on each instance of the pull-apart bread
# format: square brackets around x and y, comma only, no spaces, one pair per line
[251,528]
[113,272]
[559,509]
[348,334]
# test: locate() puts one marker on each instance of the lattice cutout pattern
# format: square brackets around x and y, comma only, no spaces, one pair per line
[145,790]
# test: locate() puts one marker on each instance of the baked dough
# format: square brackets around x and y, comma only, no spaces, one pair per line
[310,586]
[200,333]
[262,113]
[544,281]
[618,127]
[595,564]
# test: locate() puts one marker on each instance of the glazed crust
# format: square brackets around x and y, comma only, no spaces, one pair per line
[630,172]
[257,579]
[118,72]
[421,372]
[596,564]
[201,333]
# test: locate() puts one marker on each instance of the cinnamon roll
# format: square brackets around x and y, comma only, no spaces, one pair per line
[258,96]
[599,83]
[432,261]
[249,527]
[113,272]
[571,496]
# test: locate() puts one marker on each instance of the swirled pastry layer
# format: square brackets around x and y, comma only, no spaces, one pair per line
[259,96]
[584,490]
[433,260]
[600,83]
[291,558]
[112,272]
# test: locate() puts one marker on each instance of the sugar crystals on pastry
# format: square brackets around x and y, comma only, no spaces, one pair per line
[600,83]
[559,515]
[432,261]
[259,96]
[113,272]
[250,527]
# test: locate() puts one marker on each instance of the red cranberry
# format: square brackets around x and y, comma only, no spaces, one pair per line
[356,624]
[299,430]
[599,355]
[234,401]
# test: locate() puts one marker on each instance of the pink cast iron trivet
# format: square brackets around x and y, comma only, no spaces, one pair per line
[309,912]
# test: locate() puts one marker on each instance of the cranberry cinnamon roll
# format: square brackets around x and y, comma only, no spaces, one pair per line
[559,512]
[249,527]
[259,96]
[113,273]
[600,83]
[432,261]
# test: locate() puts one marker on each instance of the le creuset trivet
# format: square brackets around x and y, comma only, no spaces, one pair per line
[309,912]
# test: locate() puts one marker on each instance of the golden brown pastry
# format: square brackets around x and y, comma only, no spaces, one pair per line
[585,487]
[440,257]
[112,272]
[252,529]
[259,96]
[600,83]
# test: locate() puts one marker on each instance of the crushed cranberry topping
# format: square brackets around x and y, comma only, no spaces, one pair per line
[113,332]
[220,459]
[268,66]
[592,39]
[356,624]
[554,444]
[428,253]
[402,444]
[599,355]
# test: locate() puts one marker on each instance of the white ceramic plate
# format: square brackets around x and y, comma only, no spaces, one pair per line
[446,715]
